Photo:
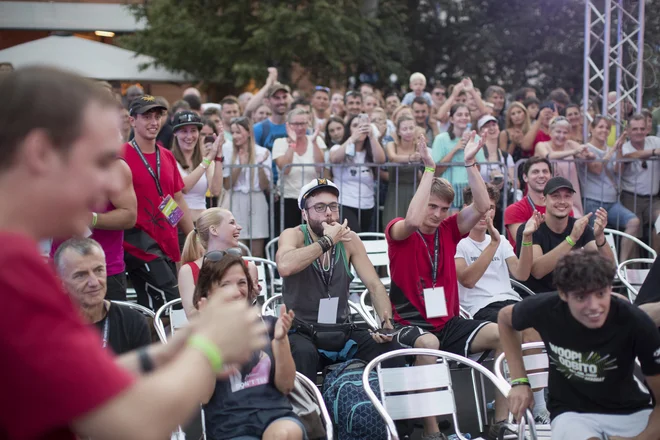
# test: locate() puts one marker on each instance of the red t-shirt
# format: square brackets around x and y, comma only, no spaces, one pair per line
[519,212]
[410,271]
[149,217]
[53,368]
[541,136]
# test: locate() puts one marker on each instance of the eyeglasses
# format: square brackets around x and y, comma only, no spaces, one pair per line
[216,256]
[322,207]
[352,93]
[439,93]
[322,89]
[298,124]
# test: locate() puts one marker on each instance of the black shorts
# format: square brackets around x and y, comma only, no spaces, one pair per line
[455,337]
[489,313]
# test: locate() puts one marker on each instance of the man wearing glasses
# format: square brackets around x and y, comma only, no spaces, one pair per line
[640,180]
[314,260]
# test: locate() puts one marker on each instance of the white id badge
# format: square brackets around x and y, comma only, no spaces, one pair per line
[436,305]
[328,311]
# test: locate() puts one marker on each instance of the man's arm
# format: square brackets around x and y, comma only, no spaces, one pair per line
[600,242]
[545,263]
[470,216]
[520,268]
[653,310]
[186,223]
[365,270]
[652,430]
[468,276]
[418,205]
[520,398]
[641,154]
[257,99]
[125,213]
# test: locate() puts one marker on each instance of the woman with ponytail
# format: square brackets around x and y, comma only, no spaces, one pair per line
[216,230]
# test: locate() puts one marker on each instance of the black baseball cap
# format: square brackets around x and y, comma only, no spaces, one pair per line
[557,183]
[547,104]
[143,104]
[186,117]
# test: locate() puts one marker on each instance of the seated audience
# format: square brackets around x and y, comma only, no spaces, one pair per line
[483,262]
[592,340]
[424,289]
[81,265]
[250,402]
[561,233]
[536,173]
[314,260]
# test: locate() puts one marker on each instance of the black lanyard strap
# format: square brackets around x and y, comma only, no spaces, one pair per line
[326,277]
[156,175]
[434,259]
[531,203]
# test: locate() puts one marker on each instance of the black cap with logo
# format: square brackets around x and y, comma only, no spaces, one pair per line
[143,104]
[186,117]
[557,183]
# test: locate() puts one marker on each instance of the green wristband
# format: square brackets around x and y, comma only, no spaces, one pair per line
[206,161]
[210,350]
[429,169]
[95,219]
[527,243]
[570,241]
[521,381]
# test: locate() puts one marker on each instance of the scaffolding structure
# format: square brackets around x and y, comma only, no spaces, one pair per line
[615,27]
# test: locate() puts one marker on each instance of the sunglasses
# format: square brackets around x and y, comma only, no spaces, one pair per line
[216,256]
[238,120]
[352,93]
[322,89]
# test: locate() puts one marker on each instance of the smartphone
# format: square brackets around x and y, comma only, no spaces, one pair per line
[498,180]
[209,139]
[350,149]
[363,118]
[386,331]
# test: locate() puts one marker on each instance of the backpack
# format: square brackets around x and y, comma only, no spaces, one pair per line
[352,413]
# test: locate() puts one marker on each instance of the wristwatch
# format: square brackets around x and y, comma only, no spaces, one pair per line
[219,158]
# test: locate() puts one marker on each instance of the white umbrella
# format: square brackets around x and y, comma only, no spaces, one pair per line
[88,58]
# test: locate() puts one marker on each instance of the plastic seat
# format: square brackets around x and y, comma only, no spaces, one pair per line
[518,285]
[318,399]
[609,236]
[142,309]
[633,278]
[424,390]
[178,319]
[266,270]
[376,247]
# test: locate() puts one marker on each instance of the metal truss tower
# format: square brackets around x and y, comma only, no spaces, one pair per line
[615,28]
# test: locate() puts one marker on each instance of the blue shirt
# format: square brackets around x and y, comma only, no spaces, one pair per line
[272,132]
[410,96]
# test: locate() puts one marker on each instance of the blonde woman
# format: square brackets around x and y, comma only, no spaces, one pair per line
[248,200]
[517,125]
[200,164]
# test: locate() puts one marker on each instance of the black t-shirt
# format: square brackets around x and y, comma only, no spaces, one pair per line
[249,401]
[591,370]
[127,329]
[548,240]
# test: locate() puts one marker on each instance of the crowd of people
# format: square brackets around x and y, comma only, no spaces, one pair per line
[168,200]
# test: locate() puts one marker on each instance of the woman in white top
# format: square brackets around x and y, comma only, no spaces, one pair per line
[248,201]
[356,182]
[297,149]
[199,163]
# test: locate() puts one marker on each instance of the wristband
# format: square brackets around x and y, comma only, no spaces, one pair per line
[219,159]
[209,349]
[601,245]
[95,219]
[471,165]
[521,381]
[527,243]
[326,243]
[146,363]
[570,241]
[206,161]
[429,170]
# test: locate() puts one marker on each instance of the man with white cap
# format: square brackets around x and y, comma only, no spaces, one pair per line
[314,260]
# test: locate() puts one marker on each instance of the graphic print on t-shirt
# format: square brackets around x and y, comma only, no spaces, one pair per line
[587,366]
[259,375]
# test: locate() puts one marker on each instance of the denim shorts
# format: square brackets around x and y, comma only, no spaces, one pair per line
[618,215]
[291,419]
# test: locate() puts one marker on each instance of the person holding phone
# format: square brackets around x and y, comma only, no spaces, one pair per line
[197,160]
[356,182]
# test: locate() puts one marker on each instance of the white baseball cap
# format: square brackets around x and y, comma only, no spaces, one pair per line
[312,186]
[485,120]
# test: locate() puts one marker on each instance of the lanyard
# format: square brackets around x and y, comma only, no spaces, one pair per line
[529,200]
[156,176]
[326,276]
[434,260]
[106,326]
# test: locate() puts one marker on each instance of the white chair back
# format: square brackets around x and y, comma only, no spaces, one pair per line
[137,307]
[266,270]
[376,247]
[178,319]
[271,306]
[270,248]
[245,249]
[633,278]
[420,391]
[609,236]
[520,286]
[318,399]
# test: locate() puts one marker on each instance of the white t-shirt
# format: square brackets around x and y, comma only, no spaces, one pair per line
[196,197]
[494,285]
[241,184]
[636,179]
[487,170]
[298,176]
[356,183]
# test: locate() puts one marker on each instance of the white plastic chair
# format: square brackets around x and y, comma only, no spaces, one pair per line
[137,307]
[518,285]
[266,280]
[412,392]
[318,399]
[536,365]
[609,236]
[245,249]
[270,248]
[178,319]
[376,247]
[633,278]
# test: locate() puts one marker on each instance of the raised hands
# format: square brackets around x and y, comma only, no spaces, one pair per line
[472,147]
[492,230]
[600,223]
[283,324]
[533,224]
[424,154]
[272,76]
[291,134]
[337,232]
[579,227]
